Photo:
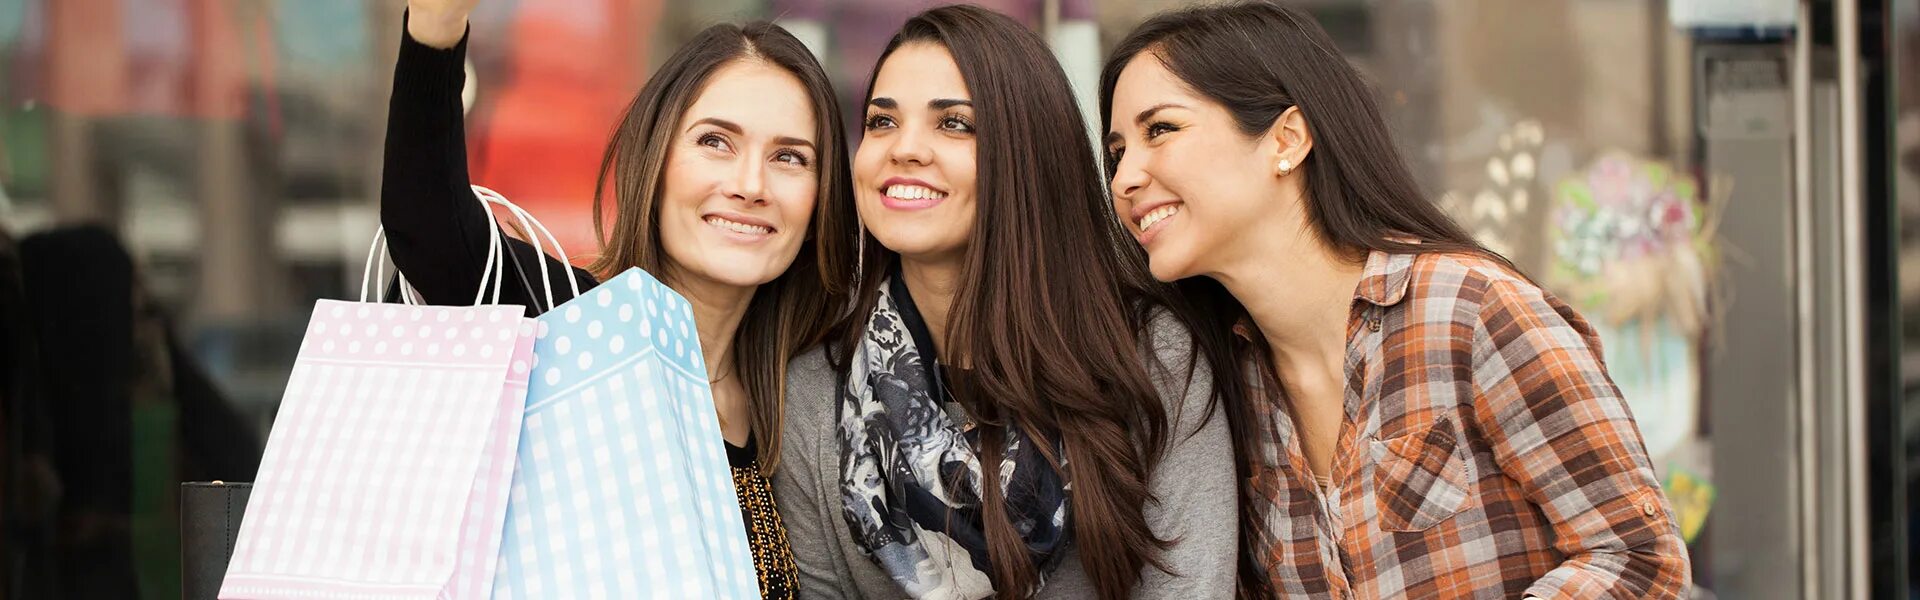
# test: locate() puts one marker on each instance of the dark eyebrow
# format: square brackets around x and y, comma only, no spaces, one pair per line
[946,103]
[735,128]
[721,123]
[1151,110]
[884,103]
[1113,137]
[793,141]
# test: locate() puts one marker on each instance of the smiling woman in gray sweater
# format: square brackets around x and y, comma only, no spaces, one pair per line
[1193,486]
[1008,412]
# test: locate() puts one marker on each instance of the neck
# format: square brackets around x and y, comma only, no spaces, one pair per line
[933,285]
[717,311]
[1301,304]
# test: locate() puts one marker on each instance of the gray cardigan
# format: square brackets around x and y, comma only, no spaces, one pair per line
[1194,486]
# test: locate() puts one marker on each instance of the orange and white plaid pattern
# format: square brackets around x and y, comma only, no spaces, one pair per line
[1485,454]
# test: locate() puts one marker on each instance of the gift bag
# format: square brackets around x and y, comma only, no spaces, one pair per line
[623,489]
[386,472]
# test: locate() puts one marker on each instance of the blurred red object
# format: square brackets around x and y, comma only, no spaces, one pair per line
[542,117]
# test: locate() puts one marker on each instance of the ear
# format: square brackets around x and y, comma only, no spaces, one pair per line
[1292,141]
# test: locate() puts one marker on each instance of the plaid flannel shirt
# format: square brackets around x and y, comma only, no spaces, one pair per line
[1484,453]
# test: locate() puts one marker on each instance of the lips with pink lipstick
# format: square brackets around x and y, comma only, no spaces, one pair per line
[906,193]
[739,227]
[1150,218]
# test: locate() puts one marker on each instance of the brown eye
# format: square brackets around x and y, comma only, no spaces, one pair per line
[791,157]
[956,124]
[879,122]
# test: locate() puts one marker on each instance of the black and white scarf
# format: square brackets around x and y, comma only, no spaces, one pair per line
[910,477]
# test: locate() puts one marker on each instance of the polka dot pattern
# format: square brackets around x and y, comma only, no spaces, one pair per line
[443,386]
[630,317]
[620,458]
[411,334]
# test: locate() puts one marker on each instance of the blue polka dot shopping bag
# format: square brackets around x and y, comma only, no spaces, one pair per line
[622,488]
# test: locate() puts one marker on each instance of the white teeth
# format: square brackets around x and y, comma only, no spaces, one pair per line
[1158,215]
[738,227]
[914,192]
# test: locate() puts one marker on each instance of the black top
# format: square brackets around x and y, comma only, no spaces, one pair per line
[437,234]
[436,229]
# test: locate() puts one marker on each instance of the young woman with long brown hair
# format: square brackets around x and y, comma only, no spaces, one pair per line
[1439,426]
[1008,414]
[727,181]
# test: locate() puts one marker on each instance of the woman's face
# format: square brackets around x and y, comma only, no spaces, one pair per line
[914,173]
[1187,183]
[740,181]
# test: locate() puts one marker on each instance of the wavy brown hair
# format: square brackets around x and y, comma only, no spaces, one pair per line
[1052,308]
[783,319]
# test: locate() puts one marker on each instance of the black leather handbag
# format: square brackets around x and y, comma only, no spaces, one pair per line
[209,525]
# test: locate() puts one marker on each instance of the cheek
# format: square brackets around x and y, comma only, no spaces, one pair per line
[867,161]
[795,201]
[866,170]
[688,180]
[960,172]
[1190,167]
[1221,182]
[958,163]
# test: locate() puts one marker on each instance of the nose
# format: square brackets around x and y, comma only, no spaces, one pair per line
[749,185]
[1128,177]
[908,148]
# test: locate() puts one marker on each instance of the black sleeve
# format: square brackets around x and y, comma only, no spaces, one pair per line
[436,229]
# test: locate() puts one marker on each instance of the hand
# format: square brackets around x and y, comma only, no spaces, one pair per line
[438,23]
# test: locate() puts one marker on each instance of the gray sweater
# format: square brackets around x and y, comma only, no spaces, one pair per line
[1194,486]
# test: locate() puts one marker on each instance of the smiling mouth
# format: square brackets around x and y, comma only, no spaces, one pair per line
[1158,215]
[913,192]
[737,227]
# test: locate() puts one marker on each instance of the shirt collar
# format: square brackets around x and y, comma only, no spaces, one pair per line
[1384,283]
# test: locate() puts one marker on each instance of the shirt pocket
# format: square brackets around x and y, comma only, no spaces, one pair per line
[1422,478]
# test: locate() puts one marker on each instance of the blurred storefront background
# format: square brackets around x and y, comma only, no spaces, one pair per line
[1730,189]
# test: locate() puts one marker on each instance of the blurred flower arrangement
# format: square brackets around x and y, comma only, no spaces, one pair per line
[1633,240]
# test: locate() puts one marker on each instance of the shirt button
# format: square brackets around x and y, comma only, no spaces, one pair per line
[1649,508]
[1373,324]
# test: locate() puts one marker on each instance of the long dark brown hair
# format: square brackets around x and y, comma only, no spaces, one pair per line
[1257,59]
[783,319]
[1049,316]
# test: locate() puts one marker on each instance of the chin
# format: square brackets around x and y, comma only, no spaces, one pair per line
[925,253]
[1166,274]
[1169,265]
[926,235]
[740,276]
[730,266]
[919,242]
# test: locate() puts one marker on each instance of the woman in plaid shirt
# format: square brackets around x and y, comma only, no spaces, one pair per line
[1435,425]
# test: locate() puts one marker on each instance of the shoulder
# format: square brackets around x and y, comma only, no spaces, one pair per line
[1183,378]
[1507,313]
[810,369]
[809,404]
[1165,339]
[1463,286]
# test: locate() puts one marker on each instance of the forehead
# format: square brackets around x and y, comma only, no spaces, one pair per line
[919,71]
[762,98]
[1145,82]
